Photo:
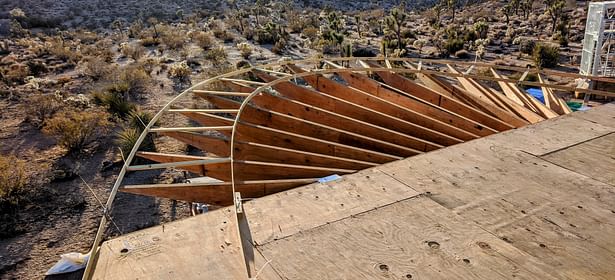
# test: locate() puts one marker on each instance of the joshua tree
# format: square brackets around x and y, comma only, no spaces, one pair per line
[508,10]
[357,20]
[555,8]
[153,21]
[452,5]
[119,25]
[394,23]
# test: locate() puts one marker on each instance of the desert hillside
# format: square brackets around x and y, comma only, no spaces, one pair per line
[80,79]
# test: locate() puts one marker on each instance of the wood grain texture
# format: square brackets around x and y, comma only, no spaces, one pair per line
[579,158]
[411,239]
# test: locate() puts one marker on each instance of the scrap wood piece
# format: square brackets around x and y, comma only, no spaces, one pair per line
[553,101]
[528,101]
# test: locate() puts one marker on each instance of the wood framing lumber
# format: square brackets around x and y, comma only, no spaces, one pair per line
[211,144]
[433,82]
[504,108]
[280,138]
[357,104]
[315,114]
[519,110]
[211,120]
[554,102]
[248,170]
[305,127]
[528,100]
[453,104]
[431,116]
[216,193]
[222,93]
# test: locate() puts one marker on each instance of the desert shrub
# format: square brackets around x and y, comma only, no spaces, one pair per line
[526,45]
[546,56]
[139,119]
[114,102]
[279,46]
[74,130]
[203,40]
[36,67]
[13,179]
[180,72]
[452,45]
[224,35]
[481,28]
[311,33]
[62,50]
[150,41]
[133,51]
[136,80]
[41,107]
[245,49]
[16,73]
[96,68]
[216,55]
[173,38]
[127,138]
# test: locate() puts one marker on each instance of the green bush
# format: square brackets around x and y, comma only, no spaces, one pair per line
[453,45]
[114,102]
[74,130]
[546,56]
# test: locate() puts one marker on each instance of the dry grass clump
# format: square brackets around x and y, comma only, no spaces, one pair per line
[63,50]
[180,72]
[74,130]
[41,107]
[217,55]
[134,51]
[136,80]
[172,37]
[13,179]
[245,49]
[97,68]
[203,39]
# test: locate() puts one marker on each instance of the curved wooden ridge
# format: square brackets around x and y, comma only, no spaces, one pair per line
[266,129]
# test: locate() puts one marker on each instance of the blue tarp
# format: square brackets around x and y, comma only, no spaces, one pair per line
[537,93]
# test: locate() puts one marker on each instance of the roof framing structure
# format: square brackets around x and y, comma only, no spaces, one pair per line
[274,127]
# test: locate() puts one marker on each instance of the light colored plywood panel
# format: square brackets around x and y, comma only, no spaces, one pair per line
[551,135]
[284,214]
[603,114]
[595,158]
[411,239]
[202,247]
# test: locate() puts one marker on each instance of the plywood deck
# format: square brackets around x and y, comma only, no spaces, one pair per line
[531,203]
